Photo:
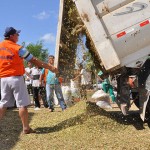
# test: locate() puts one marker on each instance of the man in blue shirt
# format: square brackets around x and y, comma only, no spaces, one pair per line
[52,84]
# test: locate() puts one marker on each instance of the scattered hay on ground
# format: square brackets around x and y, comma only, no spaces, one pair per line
[83,126]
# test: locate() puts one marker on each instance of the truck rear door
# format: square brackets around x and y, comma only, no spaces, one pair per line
[127,23]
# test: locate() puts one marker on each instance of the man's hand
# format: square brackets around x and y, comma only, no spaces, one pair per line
[55,70]
[42,64]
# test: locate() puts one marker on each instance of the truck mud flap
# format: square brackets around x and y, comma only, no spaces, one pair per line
[144,91]
[146,104]
[144,107]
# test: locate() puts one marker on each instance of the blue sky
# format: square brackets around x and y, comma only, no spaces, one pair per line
[37,20]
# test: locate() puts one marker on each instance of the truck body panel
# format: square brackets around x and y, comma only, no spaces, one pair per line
[120,31]
[119,35]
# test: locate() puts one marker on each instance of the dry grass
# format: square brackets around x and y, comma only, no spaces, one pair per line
[81,127]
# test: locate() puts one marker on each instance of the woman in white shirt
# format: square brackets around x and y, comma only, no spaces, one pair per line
[35,86]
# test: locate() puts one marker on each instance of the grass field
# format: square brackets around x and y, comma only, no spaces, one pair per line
[80,127]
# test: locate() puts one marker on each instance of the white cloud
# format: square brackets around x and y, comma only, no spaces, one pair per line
[27,43]
[48,38]
[43,15]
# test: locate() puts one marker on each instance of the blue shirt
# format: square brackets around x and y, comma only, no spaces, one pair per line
[51,77]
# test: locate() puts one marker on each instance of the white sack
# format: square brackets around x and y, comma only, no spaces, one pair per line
[100,95]
[74,84]
[104,105]
[75,92]
[66,92]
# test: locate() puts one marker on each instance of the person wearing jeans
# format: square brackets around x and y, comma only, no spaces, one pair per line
[52,84]
[50,89]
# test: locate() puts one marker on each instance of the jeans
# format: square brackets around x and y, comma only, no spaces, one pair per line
[50,88]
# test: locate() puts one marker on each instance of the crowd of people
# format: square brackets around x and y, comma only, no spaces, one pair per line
[18,82]
[42,83]
[38,79]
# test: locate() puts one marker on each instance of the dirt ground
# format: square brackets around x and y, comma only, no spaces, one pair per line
[83,126]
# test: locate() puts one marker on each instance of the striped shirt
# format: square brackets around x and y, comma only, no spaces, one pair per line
[25,54]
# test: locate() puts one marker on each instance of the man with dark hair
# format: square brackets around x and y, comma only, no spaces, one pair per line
[52,84]
[11,75]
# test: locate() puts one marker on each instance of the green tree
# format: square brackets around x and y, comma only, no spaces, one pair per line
[38,51]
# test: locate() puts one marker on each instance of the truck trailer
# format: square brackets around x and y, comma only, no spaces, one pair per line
[120,33]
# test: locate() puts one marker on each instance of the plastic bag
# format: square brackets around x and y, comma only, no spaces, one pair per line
[75,92]
[66,93]
[74,84]
[100,95]
[104,105]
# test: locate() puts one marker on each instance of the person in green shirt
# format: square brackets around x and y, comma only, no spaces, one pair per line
[106,86]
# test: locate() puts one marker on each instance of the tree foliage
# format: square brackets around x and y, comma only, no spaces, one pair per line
[38,51]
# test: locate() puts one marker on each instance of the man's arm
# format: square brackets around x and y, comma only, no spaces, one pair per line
[42,64]
[100,78]
[29,57]
[41,77]
[28,74]
[76,77]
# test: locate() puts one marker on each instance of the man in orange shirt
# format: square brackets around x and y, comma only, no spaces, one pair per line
[11,75]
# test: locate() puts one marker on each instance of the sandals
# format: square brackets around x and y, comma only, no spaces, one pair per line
[28,131]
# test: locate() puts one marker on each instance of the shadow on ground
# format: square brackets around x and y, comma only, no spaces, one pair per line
[132,119]
[91,111]
[10,129]
[80,119]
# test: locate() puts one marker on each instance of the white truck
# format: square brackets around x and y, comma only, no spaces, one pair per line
[120,32]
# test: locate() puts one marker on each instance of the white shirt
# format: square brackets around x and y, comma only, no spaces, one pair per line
[35,82]
[85,77]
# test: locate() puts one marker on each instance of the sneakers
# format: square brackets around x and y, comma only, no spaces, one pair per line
[37,108]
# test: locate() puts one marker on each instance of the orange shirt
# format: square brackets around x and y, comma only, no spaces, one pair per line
[60,79]
[11,64]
